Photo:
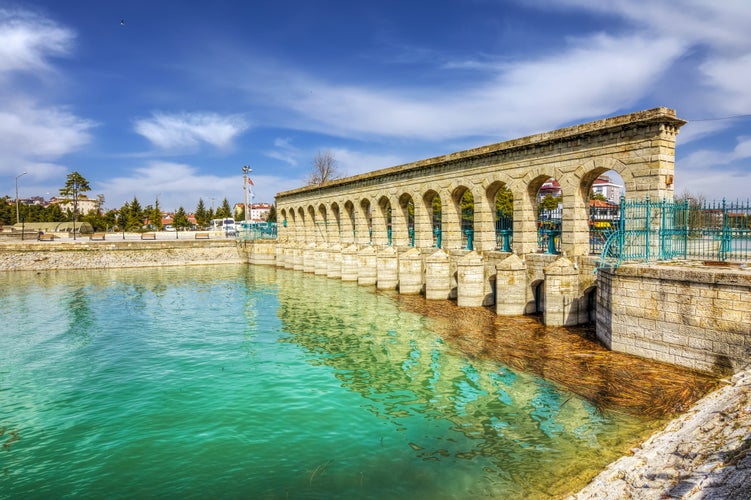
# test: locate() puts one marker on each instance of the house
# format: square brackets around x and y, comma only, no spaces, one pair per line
[259,212]
[83,205]
[602,185]
[611,191]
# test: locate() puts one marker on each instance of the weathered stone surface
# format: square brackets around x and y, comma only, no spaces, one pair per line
[703,454]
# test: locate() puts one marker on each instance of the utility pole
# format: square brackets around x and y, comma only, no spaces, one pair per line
[18,219]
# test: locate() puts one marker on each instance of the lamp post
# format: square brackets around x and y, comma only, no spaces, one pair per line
[18,219]
[246,171]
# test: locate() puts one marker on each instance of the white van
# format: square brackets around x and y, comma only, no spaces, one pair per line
[227,225]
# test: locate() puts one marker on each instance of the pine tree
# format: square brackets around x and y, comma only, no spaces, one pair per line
[201,214]
[135,215]
[224,210]
[75,184]
[181,219]
[124,215]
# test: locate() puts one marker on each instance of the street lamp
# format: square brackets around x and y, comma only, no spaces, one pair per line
[246,171]
[18,219]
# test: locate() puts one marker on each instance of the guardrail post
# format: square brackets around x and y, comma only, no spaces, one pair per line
[725,236]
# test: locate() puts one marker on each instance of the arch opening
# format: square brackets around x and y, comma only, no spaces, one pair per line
[467,219]
[604,190]
[384,205]
[435,209]
[503,201]
[549,202]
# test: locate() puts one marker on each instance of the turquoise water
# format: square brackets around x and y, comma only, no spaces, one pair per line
[238,382]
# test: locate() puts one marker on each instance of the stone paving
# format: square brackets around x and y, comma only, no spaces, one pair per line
[703,454]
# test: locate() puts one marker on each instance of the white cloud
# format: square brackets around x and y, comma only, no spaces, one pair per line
[723,25]
[29,133]
[731,80]
[716,174]
[178,184]
[34,135]
[27,41]
[189,130]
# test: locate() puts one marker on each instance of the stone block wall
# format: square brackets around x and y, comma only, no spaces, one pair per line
[698,317]
[35,256]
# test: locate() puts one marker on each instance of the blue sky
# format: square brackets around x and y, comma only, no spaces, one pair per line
[172,103]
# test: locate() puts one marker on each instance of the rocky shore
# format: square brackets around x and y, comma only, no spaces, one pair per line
[703,454]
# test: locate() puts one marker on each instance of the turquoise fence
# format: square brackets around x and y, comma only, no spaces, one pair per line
[504,232]
[257,231]
[651,231]
[549,231]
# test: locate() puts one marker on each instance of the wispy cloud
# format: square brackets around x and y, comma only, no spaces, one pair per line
[592,76]
[284,151]
[190,130]
[351,162]
[27,41]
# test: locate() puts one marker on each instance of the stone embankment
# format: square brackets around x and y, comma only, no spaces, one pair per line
[703,454]
[116,253]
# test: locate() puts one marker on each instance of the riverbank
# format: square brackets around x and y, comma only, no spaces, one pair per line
[705,453]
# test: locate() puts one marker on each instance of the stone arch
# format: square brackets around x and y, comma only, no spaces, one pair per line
[429,218]
[322,223]
[537,294]
[590,303]
[302,223]
[576,201]
[348,223]
[542,238]
[284,230]
[589,171]
[364,222]
[311,225]
[334,228]
[403,220]
[382,218]
[452,218]
[493,225]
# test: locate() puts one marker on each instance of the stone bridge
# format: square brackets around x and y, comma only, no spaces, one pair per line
[380,228]
[640,147]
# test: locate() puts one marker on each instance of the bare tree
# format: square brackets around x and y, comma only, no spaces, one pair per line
[324,168]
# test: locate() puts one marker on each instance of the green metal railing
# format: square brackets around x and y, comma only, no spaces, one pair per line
[257,231]
[686,229]
[504,232]
[549,231]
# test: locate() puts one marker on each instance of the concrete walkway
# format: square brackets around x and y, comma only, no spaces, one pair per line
[703,454]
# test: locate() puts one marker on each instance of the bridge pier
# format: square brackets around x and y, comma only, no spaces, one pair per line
[437,276]
[411,275]
[511,286]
